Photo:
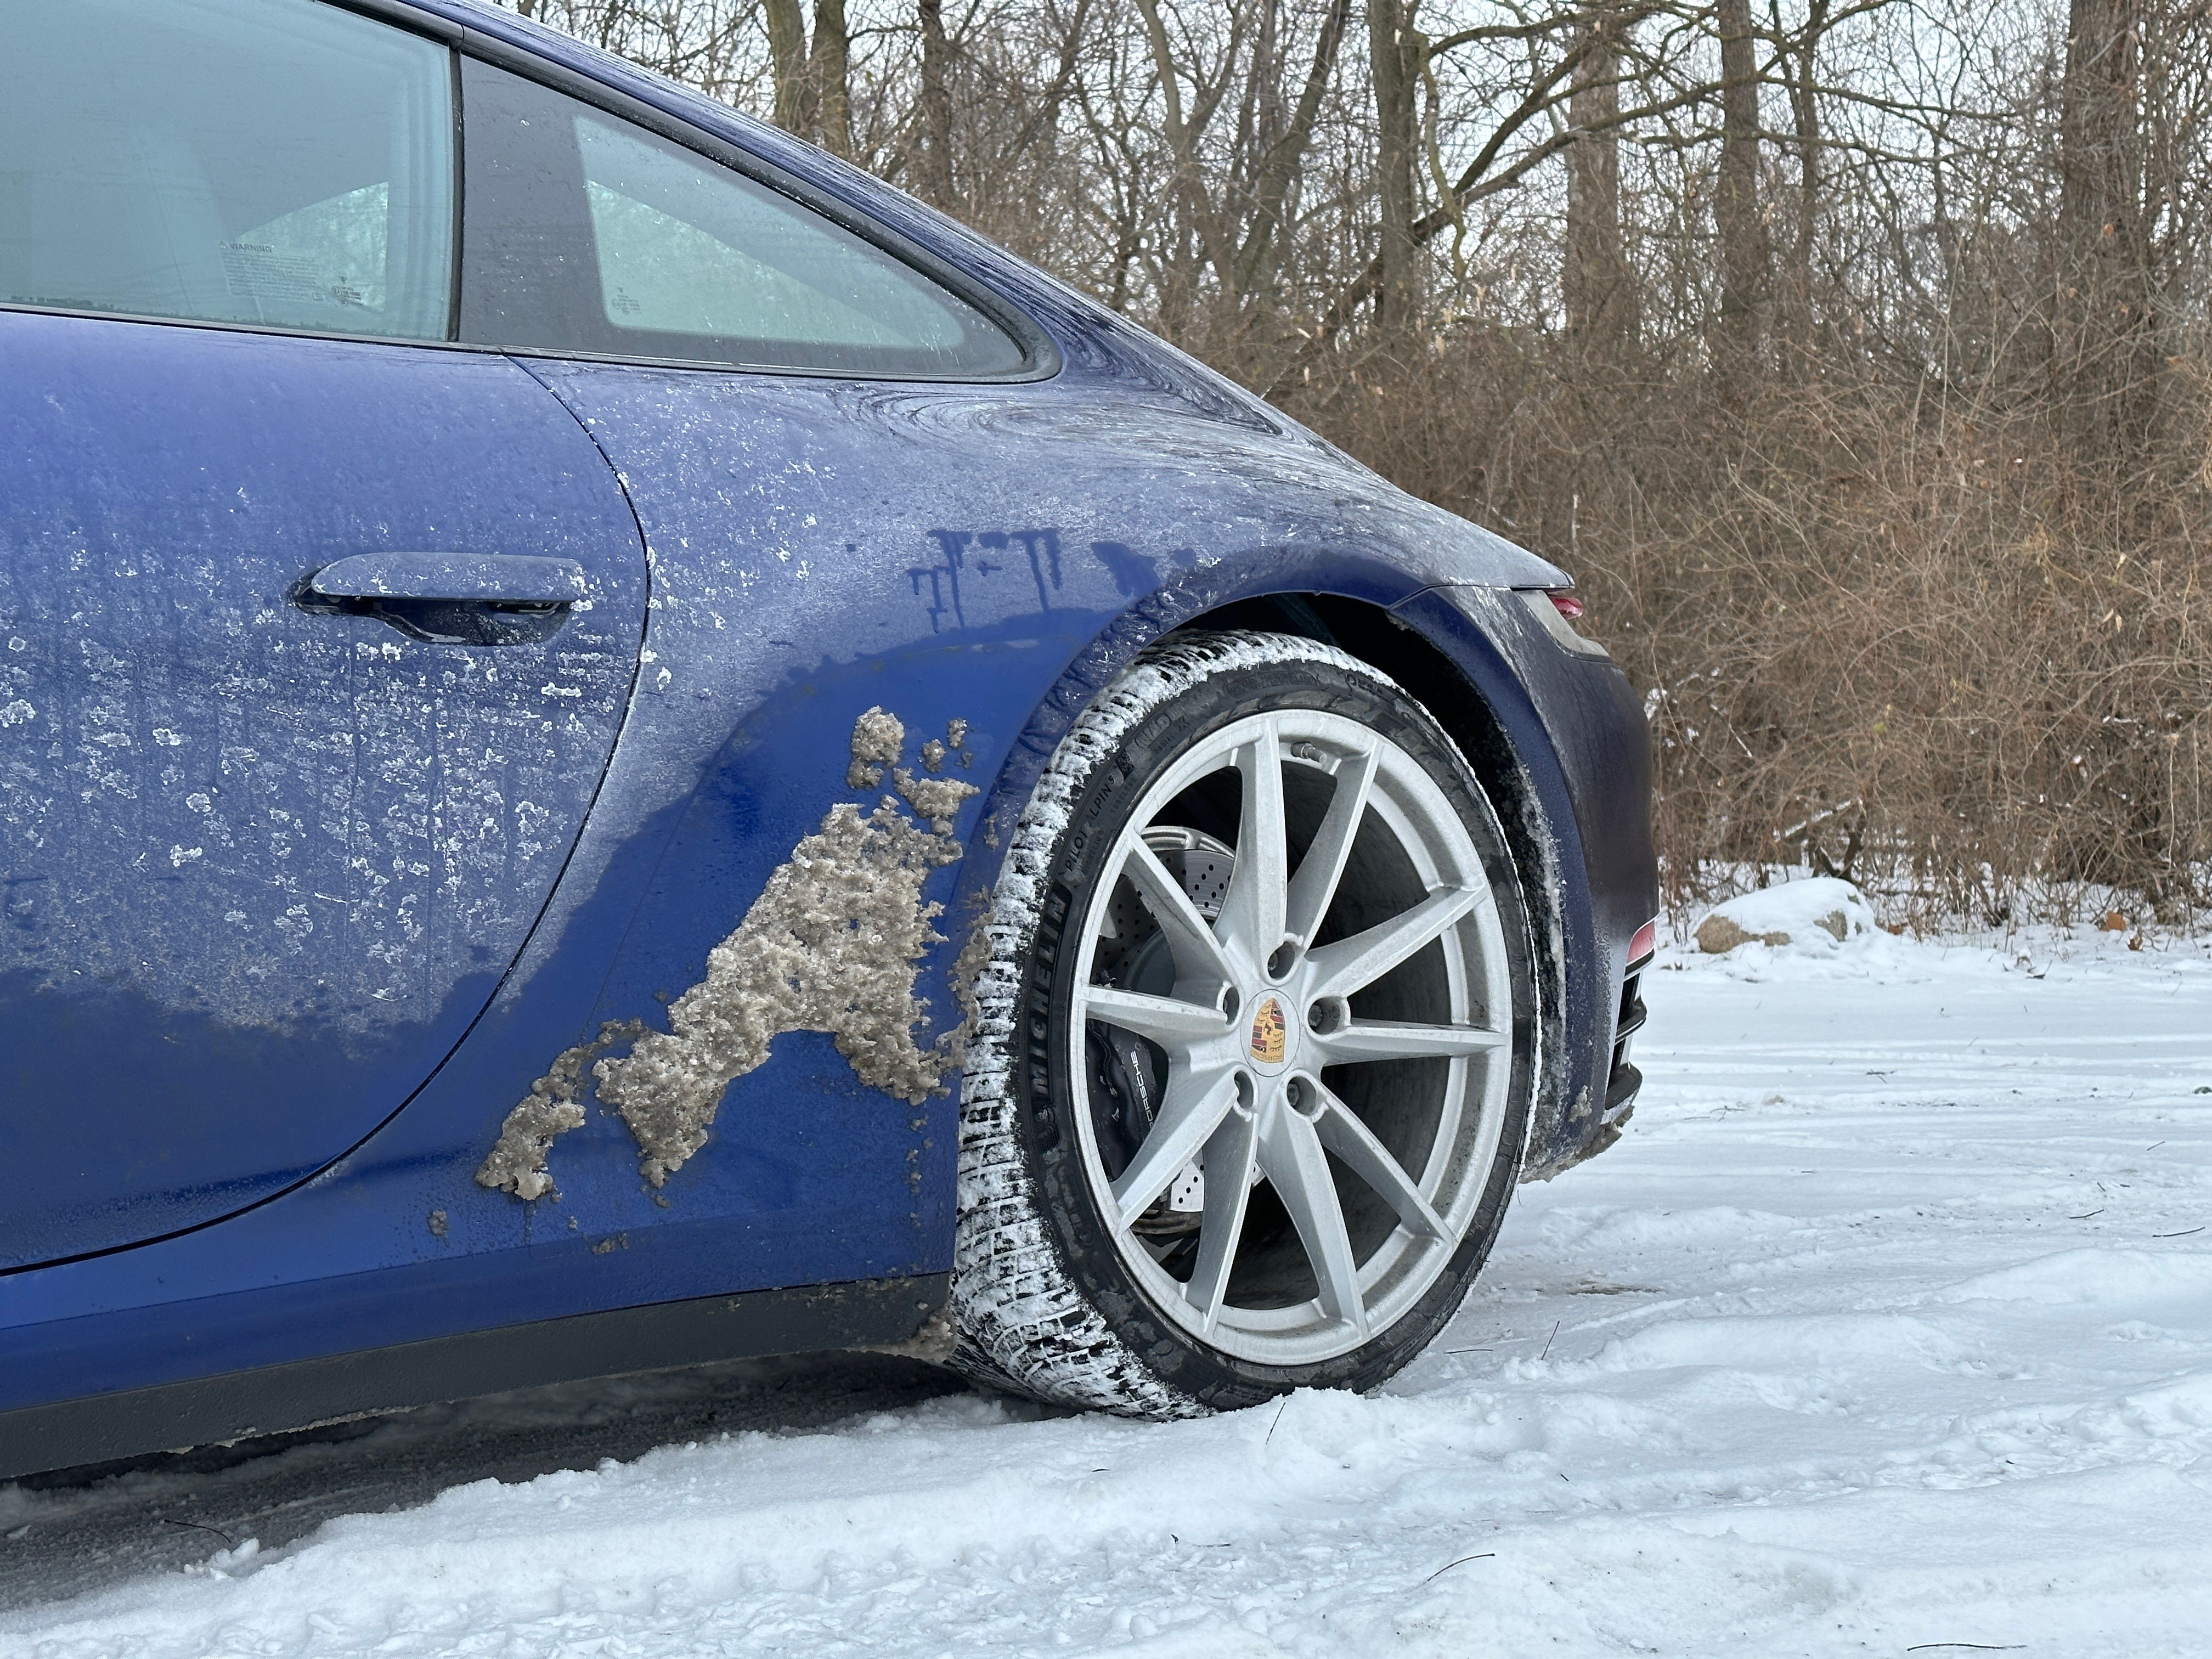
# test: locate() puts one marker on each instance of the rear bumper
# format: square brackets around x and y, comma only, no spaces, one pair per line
[1624,1081]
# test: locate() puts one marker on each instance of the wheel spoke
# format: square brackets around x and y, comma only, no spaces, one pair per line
[1343,1134]
[1323,867]
[1252,909]
[1196,952]
[1296,1167]
[1390,1039]
[1173,1024]
[1229,1156]
[1351,964]
[1193,1109]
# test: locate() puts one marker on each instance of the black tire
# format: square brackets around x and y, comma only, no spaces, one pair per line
[1049,1298]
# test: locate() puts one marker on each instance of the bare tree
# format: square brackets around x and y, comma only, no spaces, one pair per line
[813,96]
[933,177]
[1739,227]
[2106,342]
[1797,59]
[1397,56]
[1597,289]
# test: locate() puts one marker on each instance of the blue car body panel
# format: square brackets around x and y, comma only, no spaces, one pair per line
[811,547]
[263,867]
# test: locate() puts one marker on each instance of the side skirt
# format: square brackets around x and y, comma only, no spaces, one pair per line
[899,1314]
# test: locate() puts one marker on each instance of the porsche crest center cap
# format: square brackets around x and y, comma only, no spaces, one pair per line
[1270,1032]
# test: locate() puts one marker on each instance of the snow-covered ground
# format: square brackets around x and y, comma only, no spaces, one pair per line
[1888,1328]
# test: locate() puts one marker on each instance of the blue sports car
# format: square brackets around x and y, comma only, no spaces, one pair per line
[619,747]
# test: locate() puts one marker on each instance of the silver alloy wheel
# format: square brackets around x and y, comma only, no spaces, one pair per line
[1260,1013]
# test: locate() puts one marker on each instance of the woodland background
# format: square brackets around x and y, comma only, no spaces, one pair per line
[1853,354]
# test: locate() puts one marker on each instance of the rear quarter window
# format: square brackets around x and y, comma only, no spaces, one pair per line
[587,234]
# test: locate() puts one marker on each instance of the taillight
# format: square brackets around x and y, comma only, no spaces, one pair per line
[1556,609]
[1644,944]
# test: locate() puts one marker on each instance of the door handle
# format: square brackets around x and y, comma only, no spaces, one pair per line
[451,598]
[461,578]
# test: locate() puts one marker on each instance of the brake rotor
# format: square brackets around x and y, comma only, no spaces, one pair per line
[1128,1072]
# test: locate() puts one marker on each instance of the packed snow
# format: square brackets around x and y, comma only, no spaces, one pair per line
[1887,1328]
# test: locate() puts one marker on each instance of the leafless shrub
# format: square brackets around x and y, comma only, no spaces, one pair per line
[1920,647]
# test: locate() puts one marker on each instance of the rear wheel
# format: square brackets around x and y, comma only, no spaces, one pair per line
[1249,1093]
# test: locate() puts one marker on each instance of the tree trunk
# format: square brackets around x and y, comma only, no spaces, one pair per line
[786,57]
[1261,256]
[829,70]
[935,174]
[1597,288]
[2106,356]
[1797,296]
[1396,51]
[1736,220]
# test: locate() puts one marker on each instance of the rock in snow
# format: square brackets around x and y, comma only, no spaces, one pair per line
[1818,912]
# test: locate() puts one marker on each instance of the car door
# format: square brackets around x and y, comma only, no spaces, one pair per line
[316,630]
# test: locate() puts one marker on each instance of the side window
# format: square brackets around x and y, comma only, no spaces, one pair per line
[587,234]
[278,162]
